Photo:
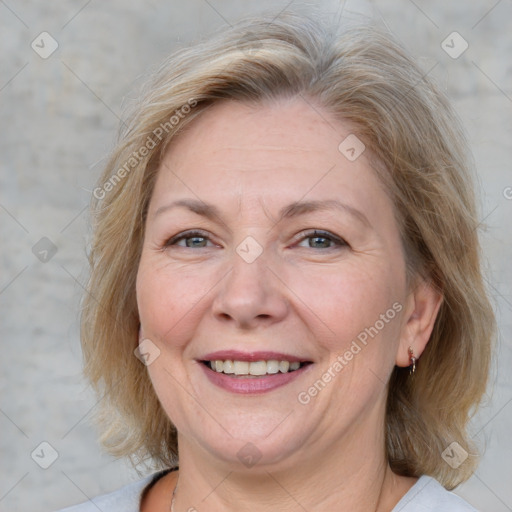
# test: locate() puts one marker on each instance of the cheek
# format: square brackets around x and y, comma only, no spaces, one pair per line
[170,300]
[348,301]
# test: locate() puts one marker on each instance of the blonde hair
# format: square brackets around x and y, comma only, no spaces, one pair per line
[364,78]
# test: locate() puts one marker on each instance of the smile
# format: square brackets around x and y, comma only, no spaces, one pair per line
[254,368]
[252,373]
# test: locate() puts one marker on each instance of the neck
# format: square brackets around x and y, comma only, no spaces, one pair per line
[353,476]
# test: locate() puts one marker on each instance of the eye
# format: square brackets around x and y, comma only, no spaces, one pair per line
[321,240]
[190,239]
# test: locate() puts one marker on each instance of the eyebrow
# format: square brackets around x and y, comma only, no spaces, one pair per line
[194,205]
[302,207]
[294,209]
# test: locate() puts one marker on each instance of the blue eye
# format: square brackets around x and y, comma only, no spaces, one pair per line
[313,240]
[190,239]
[321,240]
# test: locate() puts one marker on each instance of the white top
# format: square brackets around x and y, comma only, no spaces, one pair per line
[426,495]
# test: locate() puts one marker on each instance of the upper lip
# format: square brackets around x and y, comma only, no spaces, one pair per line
[237,355]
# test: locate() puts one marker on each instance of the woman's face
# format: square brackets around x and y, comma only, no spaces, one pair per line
[267,246]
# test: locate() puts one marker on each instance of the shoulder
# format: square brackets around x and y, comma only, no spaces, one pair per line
[428,495]
[125,499]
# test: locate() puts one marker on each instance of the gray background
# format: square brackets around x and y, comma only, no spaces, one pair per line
[59,118]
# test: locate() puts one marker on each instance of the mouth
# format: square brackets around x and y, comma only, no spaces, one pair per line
[255,372]
[254,369]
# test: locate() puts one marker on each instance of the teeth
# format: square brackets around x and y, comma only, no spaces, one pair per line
[229,367]
[255,368]
[272,366]
[284,366]
[241,367]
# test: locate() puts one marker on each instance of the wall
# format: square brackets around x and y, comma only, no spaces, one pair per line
[60,113]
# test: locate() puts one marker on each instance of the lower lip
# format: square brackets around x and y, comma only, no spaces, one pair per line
[252,385]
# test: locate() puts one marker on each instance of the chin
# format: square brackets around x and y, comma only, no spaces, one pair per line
[253,448]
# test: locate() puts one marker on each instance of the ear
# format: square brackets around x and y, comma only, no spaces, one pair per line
[421,311]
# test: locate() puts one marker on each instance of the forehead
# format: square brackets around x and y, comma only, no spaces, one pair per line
[272,153]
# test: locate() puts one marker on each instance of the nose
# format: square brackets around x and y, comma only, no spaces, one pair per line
[250,296]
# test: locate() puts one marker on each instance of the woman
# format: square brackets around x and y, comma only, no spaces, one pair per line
[286,295]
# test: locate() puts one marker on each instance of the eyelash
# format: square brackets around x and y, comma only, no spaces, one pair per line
[337,241]
[186,234]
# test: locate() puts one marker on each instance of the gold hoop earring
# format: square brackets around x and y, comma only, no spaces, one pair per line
[412,359]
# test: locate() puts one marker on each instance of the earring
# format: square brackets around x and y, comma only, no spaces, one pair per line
[412,359]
